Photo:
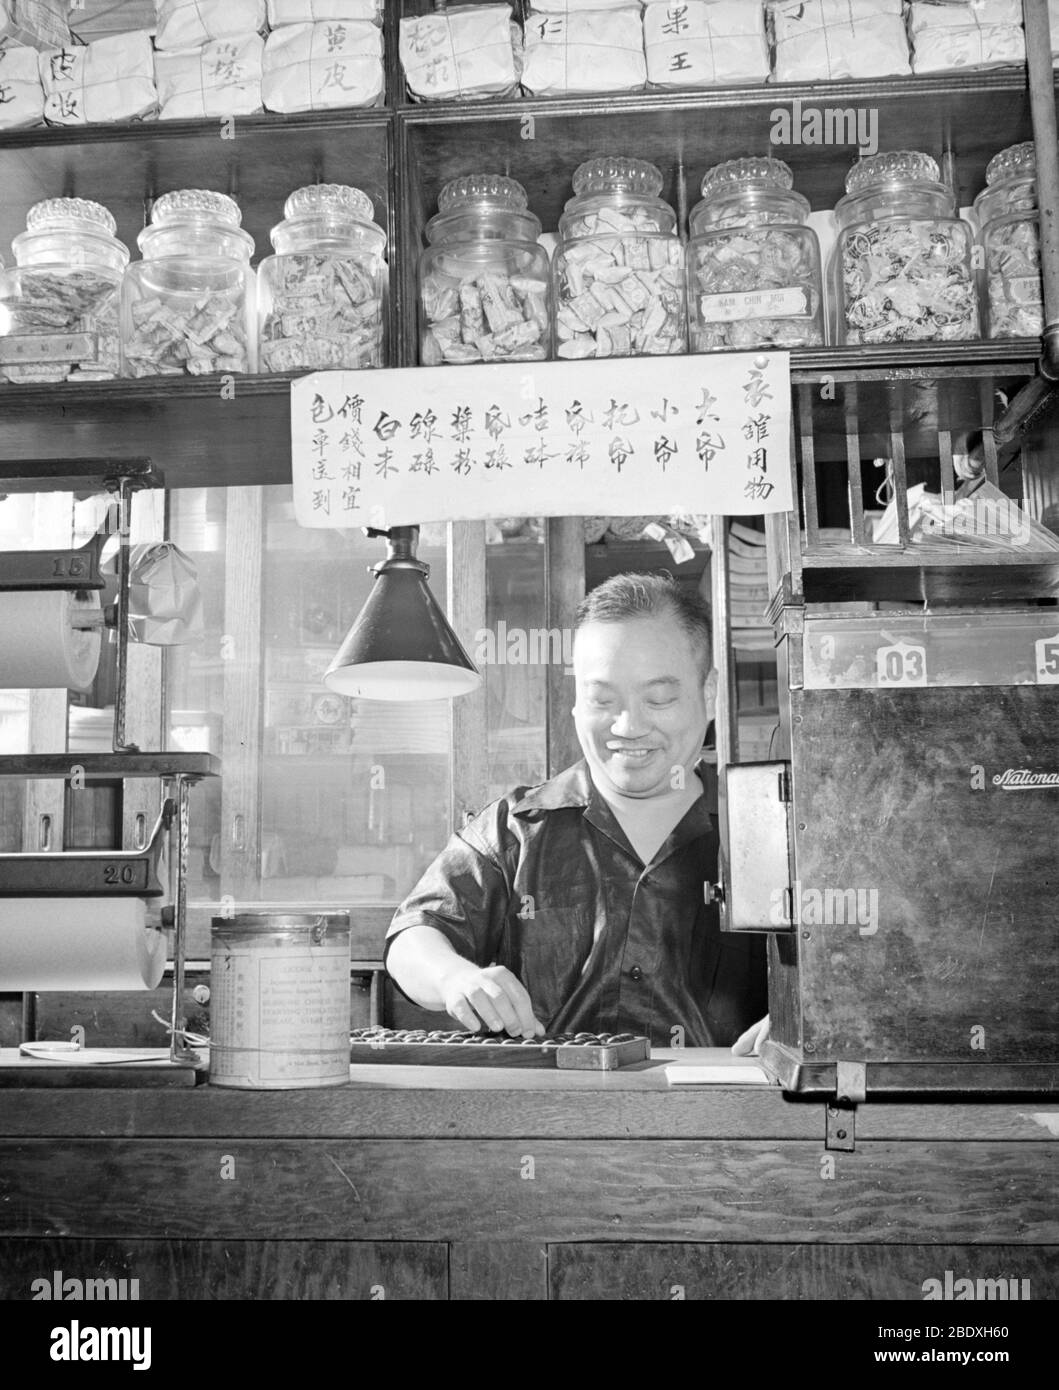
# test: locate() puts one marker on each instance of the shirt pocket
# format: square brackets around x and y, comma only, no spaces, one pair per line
[548,948]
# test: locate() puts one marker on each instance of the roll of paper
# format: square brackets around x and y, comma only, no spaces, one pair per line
[39,646]
[79,944]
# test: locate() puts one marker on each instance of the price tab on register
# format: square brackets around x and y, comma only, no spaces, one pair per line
[901,664]
[1047,650]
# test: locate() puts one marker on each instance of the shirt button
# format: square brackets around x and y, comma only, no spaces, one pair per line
[636,973]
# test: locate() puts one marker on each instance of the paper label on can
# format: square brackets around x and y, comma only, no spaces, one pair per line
[49,347]
[755,304]
[280,1017]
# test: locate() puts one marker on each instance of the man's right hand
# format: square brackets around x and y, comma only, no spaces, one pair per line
[491,997]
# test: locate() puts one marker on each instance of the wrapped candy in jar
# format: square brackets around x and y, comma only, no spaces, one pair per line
[321,299]
[618,273]
[902,269]
[188,306]
[483,280]
[59,307]
[1011,240]
[754,277]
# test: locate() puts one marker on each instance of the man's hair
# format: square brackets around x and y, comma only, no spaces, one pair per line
[626,596]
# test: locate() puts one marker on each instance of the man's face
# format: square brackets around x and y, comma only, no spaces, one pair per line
[642,704]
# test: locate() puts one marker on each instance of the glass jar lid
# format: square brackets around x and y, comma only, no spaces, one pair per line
[490,207]
[476,188]
[736,174]
[332,217]
[1016,162]
[747,192]
[70,215]
[337,199]
[196,221]
[893,167]
[70,231]
[617,174]
[614,194]
[1011,184]
[196,204]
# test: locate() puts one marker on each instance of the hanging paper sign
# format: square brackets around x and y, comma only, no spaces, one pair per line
[696,434]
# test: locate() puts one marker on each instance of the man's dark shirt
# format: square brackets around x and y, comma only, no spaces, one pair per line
[525,883]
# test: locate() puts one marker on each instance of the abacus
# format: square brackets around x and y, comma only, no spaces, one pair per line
[572,1051]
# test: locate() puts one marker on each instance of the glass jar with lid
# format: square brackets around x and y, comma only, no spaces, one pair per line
[322,297]
[903,266]
[483,280]
[188,306]
[618,272]
[60,303]
[754,276]
[1013,301]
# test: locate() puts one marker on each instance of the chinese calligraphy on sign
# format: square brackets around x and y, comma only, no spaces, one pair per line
[699,434]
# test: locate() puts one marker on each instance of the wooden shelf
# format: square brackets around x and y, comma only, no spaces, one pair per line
[941,580]
[94,766]
[920,557]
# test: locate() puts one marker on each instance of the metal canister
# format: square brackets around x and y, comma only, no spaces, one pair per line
[279,1000]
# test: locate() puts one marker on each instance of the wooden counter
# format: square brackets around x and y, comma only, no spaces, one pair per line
[463,1183]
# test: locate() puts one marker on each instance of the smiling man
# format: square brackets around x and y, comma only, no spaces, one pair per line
[578,904]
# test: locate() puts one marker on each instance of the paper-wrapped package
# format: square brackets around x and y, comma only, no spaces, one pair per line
[21,93]
[704,42]
[282,12]
[220,79]
[34,23]
[469,52]
[966,34]
[312,67]
[109,80]
[583,52]
[165,601]
[192,23]
[98,19]
[573,6]
[820,40]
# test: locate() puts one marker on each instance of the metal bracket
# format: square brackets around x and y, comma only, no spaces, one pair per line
[82,476]
[73,569]
[850,1091]
[90,873]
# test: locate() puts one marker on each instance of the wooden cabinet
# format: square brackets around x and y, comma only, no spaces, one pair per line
[483,1183]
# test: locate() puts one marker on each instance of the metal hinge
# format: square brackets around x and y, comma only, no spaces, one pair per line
[785,785]
[850,1091]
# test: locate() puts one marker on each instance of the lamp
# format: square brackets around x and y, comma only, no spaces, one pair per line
[401,646]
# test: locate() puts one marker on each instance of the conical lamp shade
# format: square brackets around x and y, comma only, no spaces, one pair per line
[401,646]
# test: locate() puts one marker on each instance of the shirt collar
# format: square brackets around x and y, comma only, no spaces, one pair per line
[573,787]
